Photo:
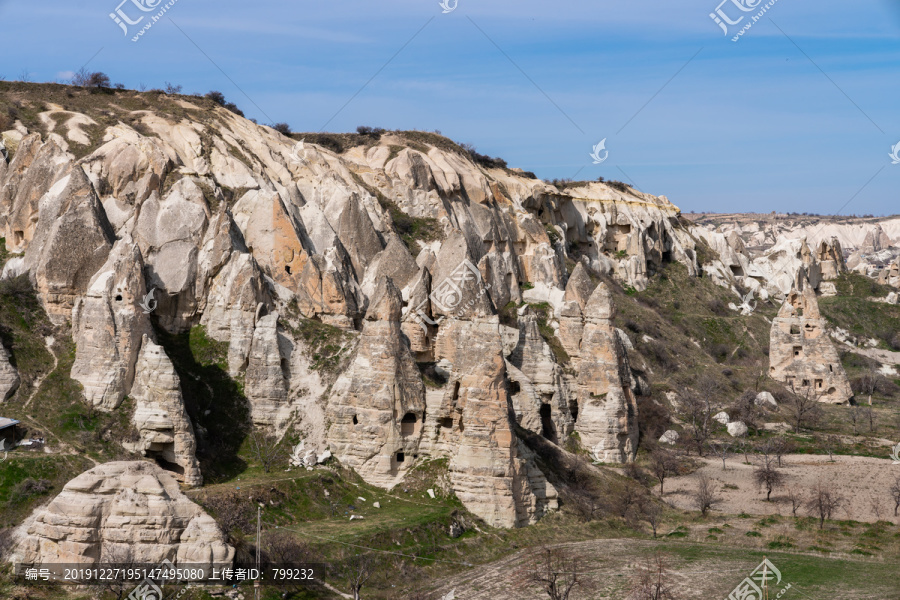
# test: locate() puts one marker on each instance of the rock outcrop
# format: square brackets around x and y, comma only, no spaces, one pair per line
[801,355]
[607,410]
[377,406]
[9,376]
[165,430]
[123,512]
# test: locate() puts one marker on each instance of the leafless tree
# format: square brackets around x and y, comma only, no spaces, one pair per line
[172,88]
[768,476]
[721,449]
[871,416]
[556,572]
[804,410]
[868,384]
[663,464]
[358,570]
[24,76]
[266,449]
[831,443]
[877,507]
[855,413]
[652,513]
[823,503]
[895,494]
[704,494]
[699,407]
[782,446]
[653,581]
[795,499]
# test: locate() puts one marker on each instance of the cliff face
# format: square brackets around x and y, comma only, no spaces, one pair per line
[199,217]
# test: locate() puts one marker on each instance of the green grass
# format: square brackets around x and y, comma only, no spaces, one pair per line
[852,310]
[326,346]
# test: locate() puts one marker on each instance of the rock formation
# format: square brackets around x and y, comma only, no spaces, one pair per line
[607,410]
[165,430]
[123,512]
[9,376]
[801,355]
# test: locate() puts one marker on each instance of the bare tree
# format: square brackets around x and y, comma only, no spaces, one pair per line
[782,446]
[663,464]
[871,416]
[704,494]
[172,88]
[895,494]
[804,410]
[357,571]
[831,443]
[699,408]
[823,503]
[266,449]
[855,414]
[653,581]
[877,507]
[555,572]
[768,476]
[868,384]
[652,513]
[795,499]
[721,449]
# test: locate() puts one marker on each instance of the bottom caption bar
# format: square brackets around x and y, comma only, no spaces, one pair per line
[167,573]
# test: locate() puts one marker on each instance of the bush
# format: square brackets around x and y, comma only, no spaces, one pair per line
[172,89]
[282,128]
[375,132]
[483,159]
[27,488]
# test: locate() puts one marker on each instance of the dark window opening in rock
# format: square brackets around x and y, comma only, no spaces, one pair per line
[461,428]
[355,420]
[514,388]
[573,408]
[667,256]
[831,368]
[548,429]
[118,297]
[400,457]
[19,236]
[795,330]
[806,383]
[408,424]
[772,369]
[819,383]
[455,392]
[415,456]
[798,350]
[737,271]
[287,269]
[447,422]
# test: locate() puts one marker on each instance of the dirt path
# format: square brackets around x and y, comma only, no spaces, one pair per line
[883,356]
[863,482]
[48,342]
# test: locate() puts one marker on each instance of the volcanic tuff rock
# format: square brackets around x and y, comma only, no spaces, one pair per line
[9,376]
[801,354]
[162,422]
[123,512]
[411,252]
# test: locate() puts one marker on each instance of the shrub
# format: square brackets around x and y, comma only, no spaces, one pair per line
[282,128]
[27,488]
[217,97]
[172,89]
[375,132]
[483,159]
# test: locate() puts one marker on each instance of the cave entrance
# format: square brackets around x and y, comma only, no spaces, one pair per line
[408,424]
[548,429]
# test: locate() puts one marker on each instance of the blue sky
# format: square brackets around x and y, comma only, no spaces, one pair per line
[799,115]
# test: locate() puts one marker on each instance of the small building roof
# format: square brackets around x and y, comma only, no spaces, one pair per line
[5,422]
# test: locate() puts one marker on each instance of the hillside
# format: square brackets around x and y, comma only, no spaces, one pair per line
[489,357]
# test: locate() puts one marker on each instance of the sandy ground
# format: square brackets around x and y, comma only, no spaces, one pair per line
[863,482]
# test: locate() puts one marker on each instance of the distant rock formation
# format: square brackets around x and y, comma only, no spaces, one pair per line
[801,355]
[122,512]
